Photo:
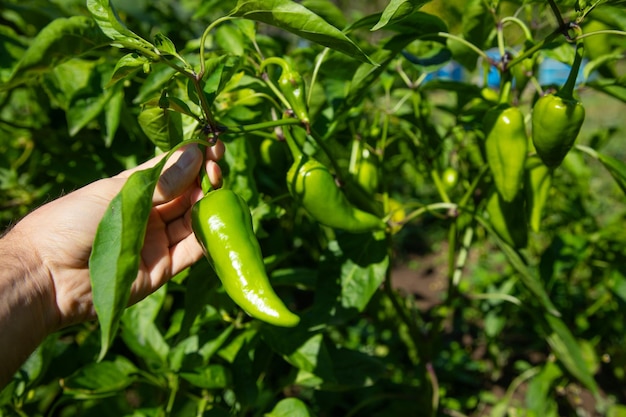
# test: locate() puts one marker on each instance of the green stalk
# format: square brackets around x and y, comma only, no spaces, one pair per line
[520,24]
[557,14]
[567,91]
[601,32]
[261,126]
[283,65]
[530,51]
[506,83]
[439,185]
[465,42]
[205,34]
[322,144]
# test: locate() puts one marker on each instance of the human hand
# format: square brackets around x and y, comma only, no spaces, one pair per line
[60,234]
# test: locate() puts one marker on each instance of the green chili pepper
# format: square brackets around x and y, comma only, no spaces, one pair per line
[537,185]
[292,87]
[367,172]
[508,219]
[506,145]
[450,178]
[524,70]
[222,224]
[558,118]
[313,186]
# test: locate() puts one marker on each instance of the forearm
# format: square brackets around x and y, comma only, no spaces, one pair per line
[24,319]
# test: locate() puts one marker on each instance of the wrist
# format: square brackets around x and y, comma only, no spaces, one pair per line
[25,284]
[27,315]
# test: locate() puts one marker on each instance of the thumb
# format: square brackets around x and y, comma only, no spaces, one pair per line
[179,175]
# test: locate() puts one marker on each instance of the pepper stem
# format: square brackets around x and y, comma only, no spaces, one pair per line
[294,147]
[505,87]
[205,182]
[567,91]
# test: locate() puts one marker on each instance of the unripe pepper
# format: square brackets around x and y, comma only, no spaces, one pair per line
[508,219]
[450,178]
[537,187]
[367,174]
[222,224]
[314,187]
[506,145]
[292,87]
[558,118]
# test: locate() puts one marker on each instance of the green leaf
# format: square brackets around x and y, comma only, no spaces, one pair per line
[13,48]
[127,66]
[208,377]
[353,369]
[290,407]
[141,334]
[109,22]
[297,19]
[616,410]
[540,387]
[100,379]
[163,127]
[59,41]
[611,87]
[230,38]
[616,168]
[413,27]
[397,10]
[478,22]
[87,103]
[220,70]
[165,45]
[569,353]
[113,111]
[529,278]
[201,281]
[328,10]
[363,267]
[116,254]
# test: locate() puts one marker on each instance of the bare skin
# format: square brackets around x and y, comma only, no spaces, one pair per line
[44,275]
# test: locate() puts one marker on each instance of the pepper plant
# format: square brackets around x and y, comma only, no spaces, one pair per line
[351,156]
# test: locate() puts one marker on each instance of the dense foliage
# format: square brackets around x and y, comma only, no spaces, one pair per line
[467,304]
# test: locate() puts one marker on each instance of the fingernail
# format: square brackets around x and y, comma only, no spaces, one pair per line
[188,157]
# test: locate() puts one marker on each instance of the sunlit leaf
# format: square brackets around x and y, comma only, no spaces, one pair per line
[398,9]
[289,407]
[297,19]
[61,40]
[115,258]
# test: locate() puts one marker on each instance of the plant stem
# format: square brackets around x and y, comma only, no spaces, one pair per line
[530,51]
[501,47]
[518,22]
[261,126]
[265,76]
[173,385]
[505,87]
[601,32]
[461,259]
[322,144]
[439,185]
[428,208]
[316,69]
[567,91]
[414,331]
[434,384]
[557,14]
[465,42]
[205,34]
